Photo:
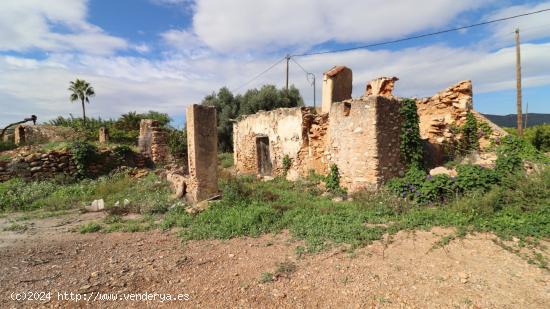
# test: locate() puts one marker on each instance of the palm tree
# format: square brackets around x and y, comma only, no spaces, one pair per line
[81,90]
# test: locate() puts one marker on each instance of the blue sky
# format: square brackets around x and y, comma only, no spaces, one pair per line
[166,54]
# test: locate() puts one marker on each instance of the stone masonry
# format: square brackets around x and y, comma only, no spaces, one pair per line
[152,141]
[36,134]
[337,86]
[202,141]
[103,135]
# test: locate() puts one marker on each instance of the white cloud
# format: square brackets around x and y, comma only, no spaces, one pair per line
[531,27]
[134,83]
[245,25]
[52,25]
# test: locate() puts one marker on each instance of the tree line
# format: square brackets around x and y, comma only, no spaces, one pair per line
[229,107]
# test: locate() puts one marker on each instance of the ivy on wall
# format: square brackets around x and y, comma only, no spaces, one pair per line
[411,143]
[83,154]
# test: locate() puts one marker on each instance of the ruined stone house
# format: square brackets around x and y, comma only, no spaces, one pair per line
[361,135]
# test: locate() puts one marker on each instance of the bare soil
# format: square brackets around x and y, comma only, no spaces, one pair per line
[405,271]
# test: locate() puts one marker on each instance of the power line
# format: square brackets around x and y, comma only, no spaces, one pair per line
[259,75]
[421,35]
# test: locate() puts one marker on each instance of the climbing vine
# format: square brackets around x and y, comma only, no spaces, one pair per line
[470,135]
[411,143]
[287,163]
[83,154]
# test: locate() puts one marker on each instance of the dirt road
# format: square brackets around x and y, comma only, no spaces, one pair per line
[405,273]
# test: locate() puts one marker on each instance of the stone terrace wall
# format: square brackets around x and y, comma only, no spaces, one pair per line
[364,139]
[36,134]
[46,165]
[282,126]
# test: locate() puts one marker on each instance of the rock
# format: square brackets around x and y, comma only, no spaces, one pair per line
[97,205]
[200,206]
[463,277]
[126,202]
[36,169]
[440,170]
[338,199]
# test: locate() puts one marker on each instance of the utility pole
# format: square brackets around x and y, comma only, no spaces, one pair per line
[313,84]
[518,81]
[526,113]
[287,61]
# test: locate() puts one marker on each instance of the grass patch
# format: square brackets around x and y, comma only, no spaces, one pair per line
[226,159]
[118,224]
[519,207]
[16,227]
[146,195]
[266,277]
[91,227]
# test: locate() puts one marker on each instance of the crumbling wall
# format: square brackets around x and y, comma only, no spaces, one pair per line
[443,114]
[39,134]
[364,141]
[313,152]
[382,86]
[337,86]
[152,141]
[282,126]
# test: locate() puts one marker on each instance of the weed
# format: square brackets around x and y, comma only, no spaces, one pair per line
[286,268]
[91,227]
[16,227]
[266,278]
[226,159]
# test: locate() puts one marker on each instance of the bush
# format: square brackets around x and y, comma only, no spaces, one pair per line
[333,180]
[122,153]
[83,154]
[7,146]
[177,144]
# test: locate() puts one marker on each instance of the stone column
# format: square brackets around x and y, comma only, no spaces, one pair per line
[103,135]
[337,86]
[202,148]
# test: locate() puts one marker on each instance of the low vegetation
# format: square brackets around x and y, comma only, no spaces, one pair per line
[146,195]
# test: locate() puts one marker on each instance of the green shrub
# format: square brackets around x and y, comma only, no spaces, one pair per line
[470,135]
[91,227]
[333,180]
[122,153]
[177,144]
[83,154]
[7,146]
[287,163]
[226,159]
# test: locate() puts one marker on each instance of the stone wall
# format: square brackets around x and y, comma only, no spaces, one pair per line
[282,126]
[51,164]
[152,141]
[442,114]
[39,134]
[364,136]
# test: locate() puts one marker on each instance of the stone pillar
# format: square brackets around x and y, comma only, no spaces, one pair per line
[202,148]
[382,86]
[145,132]
[103,135]
[337,86]
[20,134]
[159,148]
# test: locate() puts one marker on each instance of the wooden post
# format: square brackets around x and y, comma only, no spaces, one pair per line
[518,85]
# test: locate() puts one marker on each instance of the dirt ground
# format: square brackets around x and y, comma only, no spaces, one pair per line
[403,273]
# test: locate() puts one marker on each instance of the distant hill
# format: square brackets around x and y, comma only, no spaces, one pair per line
[510,120]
